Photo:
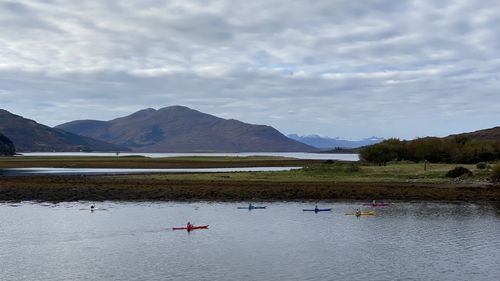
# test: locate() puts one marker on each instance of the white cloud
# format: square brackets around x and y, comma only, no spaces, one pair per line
[339,68]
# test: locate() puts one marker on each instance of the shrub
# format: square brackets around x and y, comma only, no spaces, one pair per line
[481,165]
[495,173]
[458,172]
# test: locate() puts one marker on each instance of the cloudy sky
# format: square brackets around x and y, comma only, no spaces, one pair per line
[336,67]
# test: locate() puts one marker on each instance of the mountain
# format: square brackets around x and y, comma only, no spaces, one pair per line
[6,146]
[28,135]
[331,143]
[492,134]
[181,129]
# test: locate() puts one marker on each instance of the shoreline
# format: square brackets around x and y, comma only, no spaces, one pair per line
[318,180]
[148,188]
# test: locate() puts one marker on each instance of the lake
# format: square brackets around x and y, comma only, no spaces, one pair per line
[298,155]
[134,241]
[118,171]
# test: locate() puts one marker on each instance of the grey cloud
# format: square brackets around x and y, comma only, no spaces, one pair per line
[338,68]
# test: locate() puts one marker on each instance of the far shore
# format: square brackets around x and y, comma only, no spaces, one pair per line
[319,180]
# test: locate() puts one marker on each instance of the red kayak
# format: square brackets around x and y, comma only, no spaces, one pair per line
[191,228]
[376,204]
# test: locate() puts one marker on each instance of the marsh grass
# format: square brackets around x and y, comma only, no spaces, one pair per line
[318,180]
[146,162]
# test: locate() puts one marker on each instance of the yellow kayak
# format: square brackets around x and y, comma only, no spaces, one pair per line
[371,213]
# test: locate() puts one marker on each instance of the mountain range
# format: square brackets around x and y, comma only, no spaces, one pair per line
[170,129]
[331,143]
[28,135]
[181,129]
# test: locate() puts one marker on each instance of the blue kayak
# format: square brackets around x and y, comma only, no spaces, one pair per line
[316,210]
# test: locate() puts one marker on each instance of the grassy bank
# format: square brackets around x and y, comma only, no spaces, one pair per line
[146,162]
[319,180]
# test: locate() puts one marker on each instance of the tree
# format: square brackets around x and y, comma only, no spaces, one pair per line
[378,153]
[6,146]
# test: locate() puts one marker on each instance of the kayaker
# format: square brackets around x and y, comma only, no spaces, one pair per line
[250,206]
[358,212]
[189,226]
[316,208]
[92,207]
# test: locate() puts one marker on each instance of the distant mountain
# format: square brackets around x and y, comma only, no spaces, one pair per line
[492,134]
[331,143]
[6,146]
[28,135]
[181,129]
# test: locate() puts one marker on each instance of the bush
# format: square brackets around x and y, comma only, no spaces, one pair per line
[481,165]
[495,173]
[458,172]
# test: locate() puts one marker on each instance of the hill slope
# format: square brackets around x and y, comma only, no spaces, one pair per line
[6,146]
[181,129]
[492,134]
[28,135]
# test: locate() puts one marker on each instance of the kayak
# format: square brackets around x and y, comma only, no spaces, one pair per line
[192,228]
[371,213]
[252,207]
[317,210]
[376,204]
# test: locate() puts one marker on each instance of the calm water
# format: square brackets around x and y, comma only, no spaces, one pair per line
[298,155]
[116,171]
[133,241]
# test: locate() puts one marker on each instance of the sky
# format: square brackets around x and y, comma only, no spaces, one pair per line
[338,68]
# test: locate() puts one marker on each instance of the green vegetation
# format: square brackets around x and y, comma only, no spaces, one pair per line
[450,150]
[341,172]
[495,173]
[482,165]
[318,180]
[458,172]
[6,146]
[146,162]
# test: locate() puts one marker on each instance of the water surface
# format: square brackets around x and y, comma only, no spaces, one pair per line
[298,155]
[134,241]
[118,171]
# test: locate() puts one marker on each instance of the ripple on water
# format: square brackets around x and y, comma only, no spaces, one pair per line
[134,241]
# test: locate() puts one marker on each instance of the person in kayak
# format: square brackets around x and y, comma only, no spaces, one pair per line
[250,206]
[358,212]
[316,208]
[189,226]
[92,207]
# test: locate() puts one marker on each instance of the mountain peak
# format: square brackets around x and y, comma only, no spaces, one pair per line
[182,129]
[176,108]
